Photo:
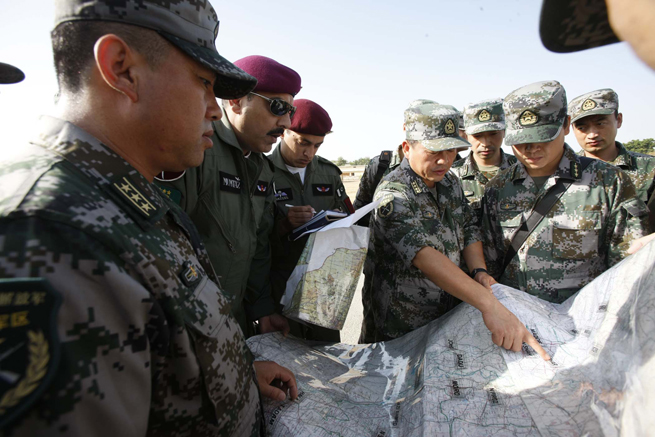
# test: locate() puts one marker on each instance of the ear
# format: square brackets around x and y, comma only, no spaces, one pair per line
[236,105]
[116,61]
[619,120]
[406,148]
[567,125]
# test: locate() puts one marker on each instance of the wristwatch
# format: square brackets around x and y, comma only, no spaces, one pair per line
[476,271]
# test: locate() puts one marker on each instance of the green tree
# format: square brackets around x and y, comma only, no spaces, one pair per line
[361,161]
[340,161]
[641,146]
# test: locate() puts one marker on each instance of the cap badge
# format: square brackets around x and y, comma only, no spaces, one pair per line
[449,128]
[588,105]
[528,118]
[484,115]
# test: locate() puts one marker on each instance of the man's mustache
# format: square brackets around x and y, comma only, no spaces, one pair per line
[276,132]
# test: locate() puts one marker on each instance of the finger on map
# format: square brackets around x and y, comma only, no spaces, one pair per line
[532,342]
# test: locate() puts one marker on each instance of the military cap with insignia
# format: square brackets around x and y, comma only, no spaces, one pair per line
[535,113]
[189,25]
[10,74]
[434,126]
[484,116]
[600,102]
[572,25]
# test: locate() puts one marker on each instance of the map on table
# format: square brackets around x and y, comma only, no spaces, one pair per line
[448,378]
[321,288]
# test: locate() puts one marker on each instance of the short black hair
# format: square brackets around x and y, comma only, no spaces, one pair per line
[73,42]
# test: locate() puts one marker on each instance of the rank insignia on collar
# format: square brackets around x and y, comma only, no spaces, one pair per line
[29,345]
[575,169]
[507,206]
[484,115]
[415,186]
[528,118]
[588,105]
[172,193]
[131,193]
[449,127]
[189,274]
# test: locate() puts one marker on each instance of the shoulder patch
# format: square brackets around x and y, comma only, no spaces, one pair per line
[386,205]
[29,345]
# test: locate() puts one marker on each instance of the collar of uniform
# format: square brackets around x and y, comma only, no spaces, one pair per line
[415,182]
[504,160]
[469,167]
[623,159]
[115,176]
[223,129]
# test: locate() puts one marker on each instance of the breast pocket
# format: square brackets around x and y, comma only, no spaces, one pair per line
[577,238]
[509,222]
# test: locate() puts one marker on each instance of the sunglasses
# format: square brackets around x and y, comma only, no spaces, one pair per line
[278,106]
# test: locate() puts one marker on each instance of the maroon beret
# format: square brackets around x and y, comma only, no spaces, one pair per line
[310,118]
[271,76]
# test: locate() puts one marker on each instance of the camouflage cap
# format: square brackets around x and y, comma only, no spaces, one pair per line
[484,116]
[461,121]
[190,25]
[10,74]
[535,113]
[604,102]
[572,25]
[434,125]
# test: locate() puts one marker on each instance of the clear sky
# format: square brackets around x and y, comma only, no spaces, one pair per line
[364,61]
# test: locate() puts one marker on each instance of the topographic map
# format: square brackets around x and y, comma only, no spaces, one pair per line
[321,287]
[448,378]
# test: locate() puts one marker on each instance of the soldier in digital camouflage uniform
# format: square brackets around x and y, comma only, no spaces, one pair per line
[590,227]
[113,323]
[230,196]
[596,118]
[304,183]
[422,232]
[372,175]
[485,130]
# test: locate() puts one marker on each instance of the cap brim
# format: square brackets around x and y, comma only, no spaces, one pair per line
[10,74]
[536,134]
[231,81]
[600,111]
[447,143]
[487,127]
[572,25]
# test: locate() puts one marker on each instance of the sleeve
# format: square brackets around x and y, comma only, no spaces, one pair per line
[395,221]
[102,384]
[366,189]
[628,218]
[493,243]
[258,298]
[469,220]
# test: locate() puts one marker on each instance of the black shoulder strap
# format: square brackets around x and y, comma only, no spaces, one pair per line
[383,165]
[538,213]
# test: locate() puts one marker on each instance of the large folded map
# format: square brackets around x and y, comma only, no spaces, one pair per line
[448,378]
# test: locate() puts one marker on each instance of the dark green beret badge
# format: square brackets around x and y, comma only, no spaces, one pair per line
[29,345]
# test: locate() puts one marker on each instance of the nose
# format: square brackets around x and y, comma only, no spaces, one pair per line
[214,112]
[284,121]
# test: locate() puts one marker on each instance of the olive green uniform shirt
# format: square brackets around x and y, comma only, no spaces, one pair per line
[322,190]
[230,200]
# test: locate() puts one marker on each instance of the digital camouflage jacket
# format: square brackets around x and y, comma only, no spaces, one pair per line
[641,169]
[146,343]
[473,180]
[586,232]
[409,218]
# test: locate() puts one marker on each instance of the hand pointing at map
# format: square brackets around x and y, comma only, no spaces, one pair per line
[506,329]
